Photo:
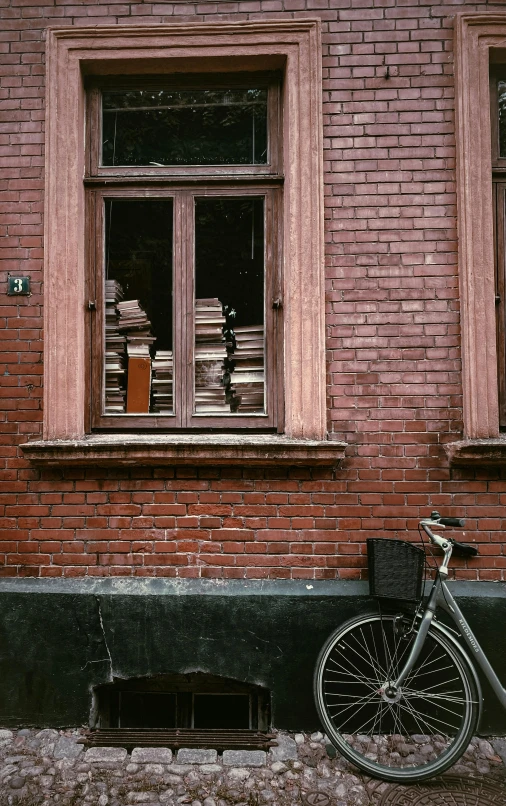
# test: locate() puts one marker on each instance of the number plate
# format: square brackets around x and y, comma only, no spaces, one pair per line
[18,286]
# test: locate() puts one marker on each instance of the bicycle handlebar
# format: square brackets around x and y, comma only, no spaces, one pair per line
[452,522]
[459,522]
[459,548]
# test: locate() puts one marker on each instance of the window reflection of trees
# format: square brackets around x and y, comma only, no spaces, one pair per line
[190,127]
[501,92]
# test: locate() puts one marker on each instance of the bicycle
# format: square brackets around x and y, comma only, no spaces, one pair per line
[395,691]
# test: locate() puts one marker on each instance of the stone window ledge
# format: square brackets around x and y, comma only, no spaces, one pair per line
[477,451]
[185,449]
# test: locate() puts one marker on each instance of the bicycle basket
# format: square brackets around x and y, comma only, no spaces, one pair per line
[395,569]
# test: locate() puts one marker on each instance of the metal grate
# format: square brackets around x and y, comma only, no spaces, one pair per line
[212,739]
[453,790]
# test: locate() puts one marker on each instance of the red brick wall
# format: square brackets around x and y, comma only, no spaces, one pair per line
[394,388]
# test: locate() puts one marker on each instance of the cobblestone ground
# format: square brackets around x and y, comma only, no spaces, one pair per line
[46,767]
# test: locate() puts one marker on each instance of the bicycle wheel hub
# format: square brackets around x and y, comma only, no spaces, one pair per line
[390,693]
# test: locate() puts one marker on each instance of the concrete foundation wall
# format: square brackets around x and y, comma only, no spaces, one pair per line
[60,639]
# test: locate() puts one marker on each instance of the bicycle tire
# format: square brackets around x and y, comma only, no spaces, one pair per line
[433,717]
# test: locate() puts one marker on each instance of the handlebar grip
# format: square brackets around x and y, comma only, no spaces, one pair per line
[452,522]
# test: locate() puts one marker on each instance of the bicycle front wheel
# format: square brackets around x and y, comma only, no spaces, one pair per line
[402,735]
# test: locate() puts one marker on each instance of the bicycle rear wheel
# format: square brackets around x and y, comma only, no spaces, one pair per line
[406,735]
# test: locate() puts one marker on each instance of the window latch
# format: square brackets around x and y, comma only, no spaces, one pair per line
[497,299]
[277,303]
[92,305]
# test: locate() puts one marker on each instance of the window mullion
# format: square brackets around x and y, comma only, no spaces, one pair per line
[179,309]
[95,212]
[184,303]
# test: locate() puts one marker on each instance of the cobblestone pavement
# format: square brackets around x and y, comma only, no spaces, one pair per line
[46,767]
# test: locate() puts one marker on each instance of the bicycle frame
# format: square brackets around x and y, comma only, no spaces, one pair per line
[440,596]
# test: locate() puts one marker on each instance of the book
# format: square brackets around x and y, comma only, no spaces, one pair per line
[210,355]
[162,382]
[139,385]
[115,365]
[247,375]
[128,341]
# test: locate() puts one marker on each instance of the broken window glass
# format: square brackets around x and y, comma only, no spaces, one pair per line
[184,127]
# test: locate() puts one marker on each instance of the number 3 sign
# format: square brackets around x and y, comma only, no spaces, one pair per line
[18,286]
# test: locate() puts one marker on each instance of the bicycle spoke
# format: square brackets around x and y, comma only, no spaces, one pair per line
[352,716]
[424,696]
[378,718]
[426,663]
[361,728]
[396,664]
[414,716]
[441,707]
[377,665]
[368,660]
[435,719]
[355,677]
[363,700]
[436,685]
[357,670]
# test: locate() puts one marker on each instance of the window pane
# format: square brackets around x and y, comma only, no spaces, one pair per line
[147,709]
[221,711]
[185,127]
[229,306]
[501,92]
[138,306]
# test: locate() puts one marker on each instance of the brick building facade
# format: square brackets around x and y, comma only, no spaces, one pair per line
[395,391]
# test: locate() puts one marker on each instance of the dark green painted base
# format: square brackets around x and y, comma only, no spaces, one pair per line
[60,639]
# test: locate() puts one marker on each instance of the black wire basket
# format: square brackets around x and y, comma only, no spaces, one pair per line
[395,569]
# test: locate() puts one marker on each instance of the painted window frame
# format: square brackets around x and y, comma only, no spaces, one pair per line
[184,184]
[498,73]
[293,46]
[480,41]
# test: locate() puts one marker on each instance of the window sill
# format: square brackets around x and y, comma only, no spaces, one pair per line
[185,449]
[477,451]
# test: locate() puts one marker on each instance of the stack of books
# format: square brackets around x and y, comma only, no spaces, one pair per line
[114,351]
[210,355]
[247,377]
[162,383]
[134,323]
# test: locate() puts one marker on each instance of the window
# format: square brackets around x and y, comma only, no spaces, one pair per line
[291,48]
[184,261]
[476,38]
[479,44]
[192,702]
[498,125]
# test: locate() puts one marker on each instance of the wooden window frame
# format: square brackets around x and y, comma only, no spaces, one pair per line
[184,184]
[290,45]
[184,279]
[498,73]
[499,201]
[479,43]
[271,81]
[479,40]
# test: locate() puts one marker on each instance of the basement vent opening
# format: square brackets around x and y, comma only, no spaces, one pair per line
[191,710]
